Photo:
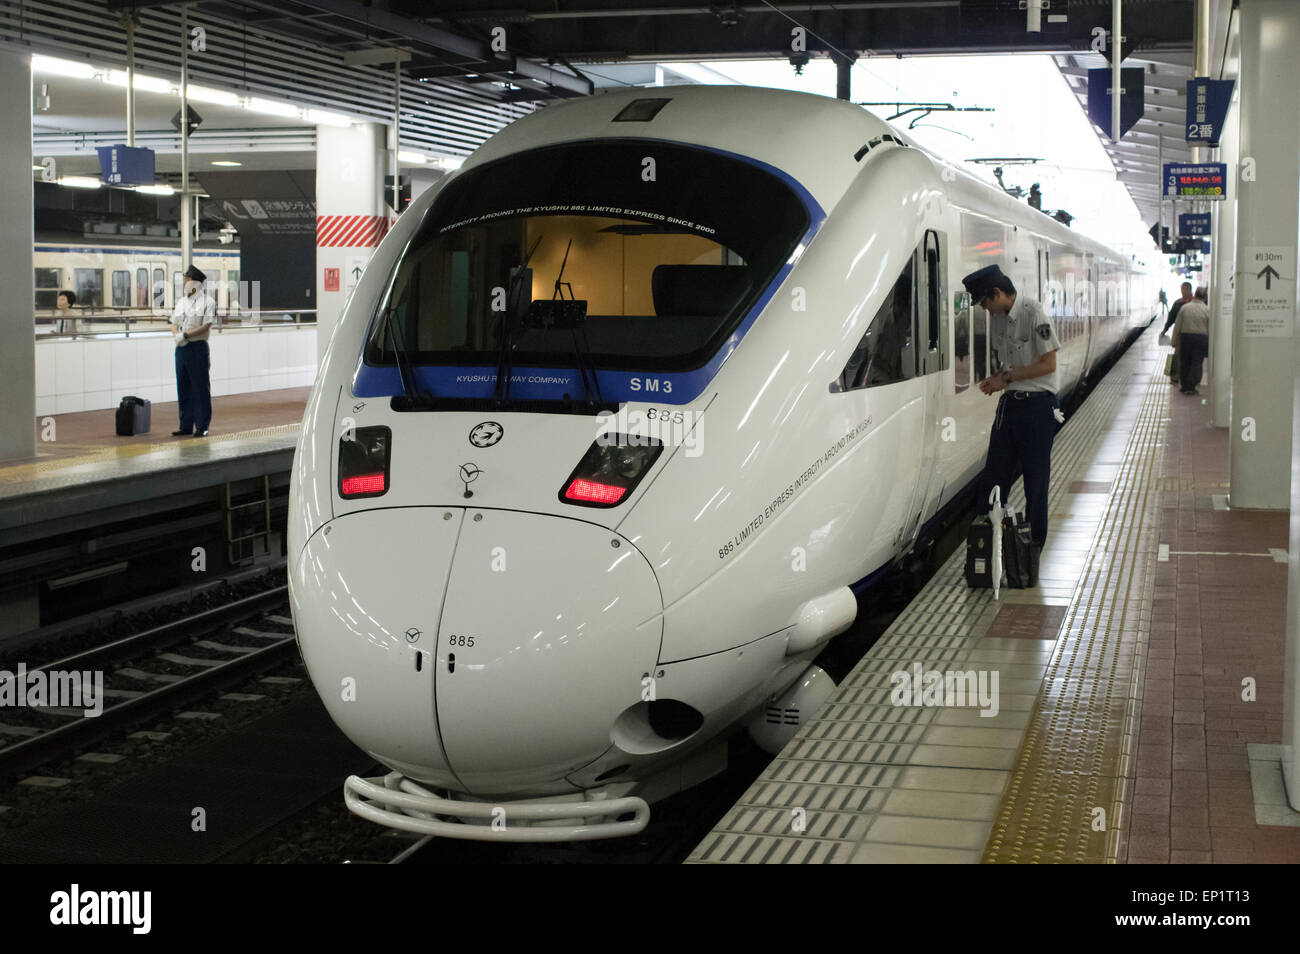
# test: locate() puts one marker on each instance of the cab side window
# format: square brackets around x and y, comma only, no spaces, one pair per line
[961,343]
[886,354]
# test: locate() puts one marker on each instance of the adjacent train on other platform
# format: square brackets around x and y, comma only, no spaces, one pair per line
[617,423]
[117,273]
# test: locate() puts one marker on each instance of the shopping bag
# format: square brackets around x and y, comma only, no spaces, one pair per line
[1018,554]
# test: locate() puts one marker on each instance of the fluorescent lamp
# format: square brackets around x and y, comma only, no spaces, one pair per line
[149,84]
[325,117]
[271,107]
[205,94]
[216,162]
[405,155]
[38,168]
[156,189]
[449,163]
[79,182]
[73,68]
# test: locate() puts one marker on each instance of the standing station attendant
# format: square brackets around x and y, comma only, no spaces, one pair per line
[191,322]
[1024,344]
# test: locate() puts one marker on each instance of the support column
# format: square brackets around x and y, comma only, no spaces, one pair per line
[844,75]
[1223,259]
[1263,365]
[351,216]
[17,330]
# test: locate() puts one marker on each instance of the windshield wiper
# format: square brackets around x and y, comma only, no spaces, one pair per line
[504,357]
[413,390]
[576,320]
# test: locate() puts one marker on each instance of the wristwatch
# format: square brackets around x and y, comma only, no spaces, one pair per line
[1006,375]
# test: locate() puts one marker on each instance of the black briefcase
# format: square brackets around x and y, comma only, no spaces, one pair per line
[979,553]
[1019,559]
[133,416]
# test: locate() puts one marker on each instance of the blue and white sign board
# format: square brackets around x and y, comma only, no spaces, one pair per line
[125,165]
[1206,180]
[1207,108]
[1267,278]
[1194,223]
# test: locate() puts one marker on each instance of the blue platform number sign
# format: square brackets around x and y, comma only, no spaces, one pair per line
[1206,180]
[1131,100]
[125,165]
[1194,223]
[1207,108]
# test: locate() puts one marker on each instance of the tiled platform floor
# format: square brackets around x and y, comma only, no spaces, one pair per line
[89,431]
[86,458]
[1217,620]
[1090,716]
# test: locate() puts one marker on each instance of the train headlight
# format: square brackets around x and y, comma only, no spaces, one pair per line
[610,470]
[363,461]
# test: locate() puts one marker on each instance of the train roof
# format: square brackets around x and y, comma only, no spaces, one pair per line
[811,138]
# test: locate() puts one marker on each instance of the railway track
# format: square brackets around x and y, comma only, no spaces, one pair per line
[151,672]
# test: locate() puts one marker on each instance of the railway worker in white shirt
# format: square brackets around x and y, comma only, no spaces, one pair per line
[191,322]
[1024,344]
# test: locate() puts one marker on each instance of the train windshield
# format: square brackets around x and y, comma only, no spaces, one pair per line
[653,253]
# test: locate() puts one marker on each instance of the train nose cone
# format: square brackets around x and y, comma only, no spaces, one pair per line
[548,628]
[366,593]
[486,652]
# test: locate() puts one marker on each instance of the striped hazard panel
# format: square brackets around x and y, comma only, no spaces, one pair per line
[350,231]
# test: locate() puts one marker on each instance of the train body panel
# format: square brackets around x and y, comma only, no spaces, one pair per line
[130,276]
[811,419]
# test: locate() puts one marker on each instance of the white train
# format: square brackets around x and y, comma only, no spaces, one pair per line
[737,378]
[112,274]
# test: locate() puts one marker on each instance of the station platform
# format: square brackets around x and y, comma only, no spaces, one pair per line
[95,519]
[1115,730]
[87,467]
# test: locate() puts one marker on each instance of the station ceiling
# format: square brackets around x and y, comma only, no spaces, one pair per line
[546,43]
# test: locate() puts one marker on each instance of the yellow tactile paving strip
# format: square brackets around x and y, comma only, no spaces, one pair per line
[1069,787]
[877,782]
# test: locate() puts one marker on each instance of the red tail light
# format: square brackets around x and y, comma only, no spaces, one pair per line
[363,461]
[364,484]
[610,470]
[589,491]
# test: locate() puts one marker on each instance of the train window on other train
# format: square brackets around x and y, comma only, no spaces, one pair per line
[121,288]
[159,288]
[47,287]
[142,288]
[89,286]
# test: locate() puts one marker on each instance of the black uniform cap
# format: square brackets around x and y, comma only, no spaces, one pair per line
[194,275]
[980,283]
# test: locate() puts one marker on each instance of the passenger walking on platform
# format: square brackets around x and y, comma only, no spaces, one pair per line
[191,322]
[1024,344]
[1192,341]
[1173,312]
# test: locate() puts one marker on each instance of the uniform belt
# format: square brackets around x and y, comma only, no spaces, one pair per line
[1019,395]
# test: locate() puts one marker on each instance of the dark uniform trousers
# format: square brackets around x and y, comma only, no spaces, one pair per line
[1192,351]
[193,388]
[1021,440]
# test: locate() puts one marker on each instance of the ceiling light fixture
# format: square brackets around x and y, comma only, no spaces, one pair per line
[327,118]
[73,68]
